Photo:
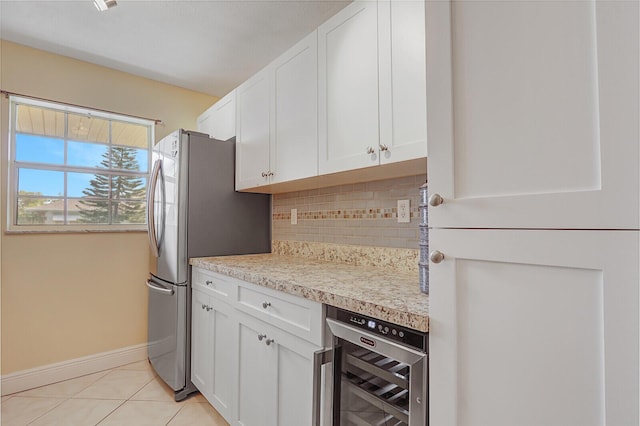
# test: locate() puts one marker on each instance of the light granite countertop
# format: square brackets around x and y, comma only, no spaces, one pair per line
[382,293]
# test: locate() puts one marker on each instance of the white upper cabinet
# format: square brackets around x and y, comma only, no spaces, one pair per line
[534,327]
[403,106]
[294,117]
[219,121]
[372,85]
[252,131]
[348,89]
[277,120]
[533,114]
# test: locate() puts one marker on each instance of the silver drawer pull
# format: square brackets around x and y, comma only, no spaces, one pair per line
[208,282]
[261,336]
[269,341]
[265,305]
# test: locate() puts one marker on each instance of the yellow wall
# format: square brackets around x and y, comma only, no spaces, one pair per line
[66,296]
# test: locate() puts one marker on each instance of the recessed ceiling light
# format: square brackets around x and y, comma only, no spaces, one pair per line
[103,5]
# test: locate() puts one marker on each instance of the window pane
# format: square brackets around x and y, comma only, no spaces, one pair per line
[40,182]
[128,187]
[38,211]
[129,212]
[88,128]
[129,159]
[39,149]
[39,121]
[87,185]
[87,154]
[128,134]
[87,210]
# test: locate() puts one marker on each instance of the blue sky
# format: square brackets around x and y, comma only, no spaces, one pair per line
[38,149]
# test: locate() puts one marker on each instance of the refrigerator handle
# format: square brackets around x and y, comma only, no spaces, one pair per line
[151,199]
[159,289]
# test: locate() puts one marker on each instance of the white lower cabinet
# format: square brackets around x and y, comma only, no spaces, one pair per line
[534,327]
[254,366]
[275,376]
[213,336]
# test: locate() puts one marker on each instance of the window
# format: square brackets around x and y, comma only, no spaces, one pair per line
[74,169]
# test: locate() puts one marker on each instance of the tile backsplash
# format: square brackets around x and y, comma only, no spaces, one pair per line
[356,214]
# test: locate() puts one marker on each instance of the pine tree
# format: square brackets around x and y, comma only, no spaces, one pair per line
[98,209]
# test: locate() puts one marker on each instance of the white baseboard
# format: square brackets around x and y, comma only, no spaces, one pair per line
[52,373]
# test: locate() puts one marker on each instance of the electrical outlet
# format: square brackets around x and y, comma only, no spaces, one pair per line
[404,211]
[294,216]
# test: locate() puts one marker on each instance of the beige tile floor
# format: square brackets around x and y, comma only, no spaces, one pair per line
[131,395]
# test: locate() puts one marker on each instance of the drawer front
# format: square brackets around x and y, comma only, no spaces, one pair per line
[296,315]
[216,285]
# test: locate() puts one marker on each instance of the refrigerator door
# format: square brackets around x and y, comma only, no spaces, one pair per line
[167,325]
[172,264]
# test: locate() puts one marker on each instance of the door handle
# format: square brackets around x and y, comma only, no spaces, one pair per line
[151,201]
[159,289]
[321,357]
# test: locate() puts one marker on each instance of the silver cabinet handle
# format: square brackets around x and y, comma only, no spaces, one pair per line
[435,200]
[269,341]
[204,306]
[265,305]
[261,336]
[436,256]
[263,174]
[208,282]
[383,147]
[270,174]
[370,150]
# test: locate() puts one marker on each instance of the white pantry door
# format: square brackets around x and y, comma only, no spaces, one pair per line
[534,327]
[532,111]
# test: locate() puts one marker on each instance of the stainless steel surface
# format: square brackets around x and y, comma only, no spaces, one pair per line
[320,358]
[167,341]
[159,288]
[265,305]
[382,346]
[435,200]
[436,256]
[200,215]
[376,381]
[151,202]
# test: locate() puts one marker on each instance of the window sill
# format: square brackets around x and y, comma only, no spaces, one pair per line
[14,231]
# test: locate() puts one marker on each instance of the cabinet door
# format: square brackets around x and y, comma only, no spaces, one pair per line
[403,93]
[533,114]
[256,378]
[224,329]
[348,89]
[201,343]
[205,123]
[252,136]
[294,367]
[294,118]
[225,117]
[534,327]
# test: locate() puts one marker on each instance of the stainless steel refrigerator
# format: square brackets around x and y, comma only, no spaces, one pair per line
[193,211]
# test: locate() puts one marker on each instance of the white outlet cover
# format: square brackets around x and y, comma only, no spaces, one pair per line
[294,216]
[404,211]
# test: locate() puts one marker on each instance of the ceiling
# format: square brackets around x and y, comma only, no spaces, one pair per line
[207,46]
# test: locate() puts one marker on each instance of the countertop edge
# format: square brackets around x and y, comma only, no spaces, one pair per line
[411,320]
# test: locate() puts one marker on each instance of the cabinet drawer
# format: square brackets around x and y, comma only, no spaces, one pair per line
[298,316]
[219,286]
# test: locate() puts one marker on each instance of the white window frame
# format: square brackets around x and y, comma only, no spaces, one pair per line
[14,166]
